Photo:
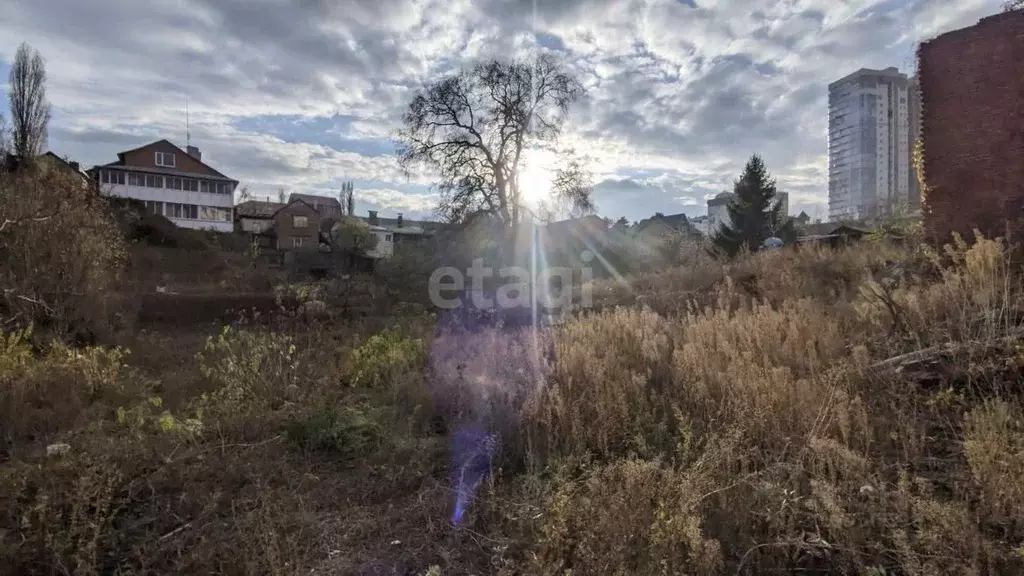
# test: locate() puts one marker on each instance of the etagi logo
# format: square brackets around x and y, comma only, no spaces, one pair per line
[552,288]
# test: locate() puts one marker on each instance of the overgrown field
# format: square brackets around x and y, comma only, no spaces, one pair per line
[798,411]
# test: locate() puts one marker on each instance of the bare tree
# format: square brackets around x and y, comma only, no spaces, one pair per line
[30,112]
[3,139]
[473,128]
[1011,5]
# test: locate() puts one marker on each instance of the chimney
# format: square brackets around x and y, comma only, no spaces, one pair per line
[399,219]
[373,217]
[194,152]
[76,166]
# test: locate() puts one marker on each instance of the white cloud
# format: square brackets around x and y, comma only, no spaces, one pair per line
[680,94]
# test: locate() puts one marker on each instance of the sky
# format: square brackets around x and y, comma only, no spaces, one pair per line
[302,95]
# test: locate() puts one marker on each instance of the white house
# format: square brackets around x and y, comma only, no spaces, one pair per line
[171,182]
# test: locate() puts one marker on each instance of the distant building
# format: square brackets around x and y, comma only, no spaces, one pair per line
[327,206]
[291,226]
[45,162]
[660,224]
[171,182]
[700,224]
[392,233]
[718,212]
[783,198]
[868,143]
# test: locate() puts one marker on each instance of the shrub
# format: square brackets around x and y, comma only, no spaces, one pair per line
[256,373]
[60,254]
[44,393]
[349,431]
[385,357]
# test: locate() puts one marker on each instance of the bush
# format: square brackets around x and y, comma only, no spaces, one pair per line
[385,357]
[58,388]
[60,255]
[345,430]
[256,374]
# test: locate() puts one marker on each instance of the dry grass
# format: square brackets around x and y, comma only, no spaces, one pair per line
[739,419]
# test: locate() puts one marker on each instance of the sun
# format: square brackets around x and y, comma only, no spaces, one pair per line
[536,183]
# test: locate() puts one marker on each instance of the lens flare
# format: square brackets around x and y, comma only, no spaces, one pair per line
[472,452]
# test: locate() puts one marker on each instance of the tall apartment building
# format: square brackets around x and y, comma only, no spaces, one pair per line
[868,144]
[172,182]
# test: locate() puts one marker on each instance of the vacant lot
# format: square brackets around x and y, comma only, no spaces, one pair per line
[805,411]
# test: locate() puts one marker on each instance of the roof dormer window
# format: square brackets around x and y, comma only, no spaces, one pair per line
[165,159]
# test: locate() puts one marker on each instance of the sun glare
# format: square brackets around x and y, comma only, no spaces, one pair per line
[535,184]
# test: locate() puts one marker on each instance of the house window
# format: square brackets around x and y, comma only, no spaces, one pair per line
[299,222]
[298,241]
[153,181]
[165,159]
[113,177]
[174,183]
[190,211]
[205,186]
[387,238]
[192,185]
[136,179]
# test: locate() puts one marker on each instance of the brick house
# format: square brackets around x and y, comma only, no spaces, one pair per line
[297,227]
[972,125]
[327,206]
[291,226]
[172,182]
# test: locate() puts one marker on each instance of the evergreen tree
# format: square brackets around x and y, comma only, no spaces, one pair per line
[754,213]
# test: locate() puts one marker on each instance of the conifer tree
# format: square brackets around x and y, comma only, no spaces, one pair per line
[754,212]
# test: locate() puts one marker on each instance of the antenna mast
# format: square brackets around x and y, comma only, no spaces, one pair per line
[188,134]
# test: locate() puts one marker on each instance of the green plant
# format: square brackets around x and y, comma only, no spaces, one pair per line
[150,417]
[250,364]
[346,430]
[99,368]
[15,350]
[385,356]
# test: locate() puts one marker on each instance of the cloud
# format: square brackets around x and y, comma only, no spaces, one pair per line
[304,94]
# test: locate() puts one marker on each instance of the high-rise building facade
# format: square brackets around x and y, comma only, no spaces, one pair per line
[868,144]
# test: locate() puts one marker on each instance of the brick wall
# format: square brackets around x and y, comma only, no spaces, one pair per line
[972,96]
